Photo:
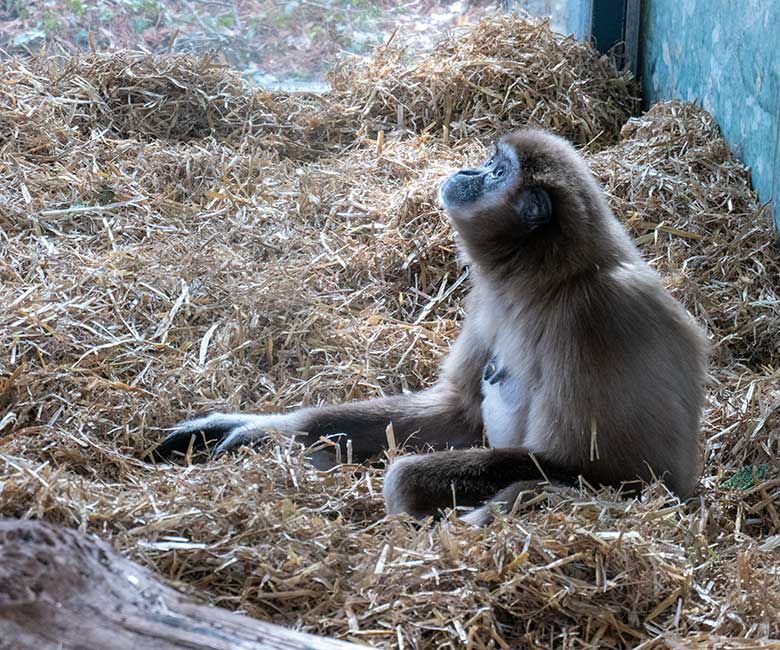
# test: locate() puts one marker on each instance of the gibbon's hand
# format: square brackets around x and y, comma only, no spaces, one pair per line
[227,431]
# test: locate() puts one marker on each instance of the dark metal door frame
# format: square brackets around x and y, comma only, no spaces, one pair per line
[608,24]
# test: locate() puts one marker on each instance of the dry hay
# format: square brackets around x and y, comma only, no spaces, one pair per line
[144,279]
[673,164]
[176,98]
[505,72]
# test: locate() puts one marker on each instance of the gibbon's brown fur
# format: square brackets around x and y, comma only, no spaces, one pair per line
[573,357]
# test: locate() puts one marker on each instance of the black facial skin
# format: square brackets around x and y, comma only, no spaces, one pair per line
[493,177]
[495,189]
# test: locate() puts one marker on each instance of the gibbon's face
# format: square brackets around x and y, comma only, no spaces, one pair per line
[470,189]
[491,205]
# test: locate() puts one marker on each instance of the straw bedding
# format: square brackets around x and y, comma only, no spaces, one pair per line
[171,242]
[501,79]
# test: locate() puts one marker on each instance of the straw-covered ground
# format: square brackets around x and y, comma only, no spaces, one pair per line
[172,241]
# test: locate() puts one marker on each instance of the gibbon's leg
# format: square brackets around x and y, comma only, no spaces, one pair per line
[446,415]
[422,484]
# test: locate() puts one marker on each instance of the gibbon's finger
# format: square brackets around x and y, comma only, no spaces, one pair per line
[206,429]
[246,435]
[179,441]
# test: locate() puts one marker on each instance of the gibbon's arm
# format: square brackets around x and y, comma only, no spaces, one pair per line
[448,414]
[422,484]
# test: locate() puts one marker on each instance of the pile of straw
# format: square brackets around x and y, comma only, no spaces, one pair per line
[176,98]
[154,268]
[508,72]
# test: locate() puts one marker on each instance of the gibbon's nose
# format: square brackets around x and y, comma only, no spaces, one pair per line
[469,172]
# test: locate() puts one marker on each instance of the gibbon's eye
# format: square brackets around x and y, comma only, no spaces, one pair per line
[498,172]
[490,162]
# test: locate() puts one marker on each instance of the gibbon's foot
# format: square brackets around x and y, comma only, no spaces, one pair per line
[227,431]
[479,517]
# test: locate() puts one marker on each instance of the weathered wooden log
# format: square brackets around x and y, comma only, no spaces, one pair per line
[62,590]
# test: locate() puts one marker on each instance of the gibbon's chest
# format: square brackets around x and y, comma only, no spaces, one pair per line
[504,405]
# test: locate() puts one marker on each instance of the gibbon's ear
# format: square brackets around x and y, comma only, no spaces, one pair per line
[533,206]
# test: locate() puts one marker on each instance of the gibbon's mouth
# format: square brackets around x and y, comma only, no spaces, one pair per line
[460,189]
[463,200]
[473,188]
[440,195]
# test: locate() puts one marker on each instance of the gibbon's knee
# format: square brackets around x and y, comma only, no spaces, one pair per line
[401,489]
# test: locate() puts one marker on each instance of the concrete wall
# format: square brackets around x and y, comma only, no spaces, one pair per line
[726,53]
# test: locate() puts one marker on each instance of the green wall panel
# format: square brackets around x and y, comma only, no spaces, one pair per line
[726,53]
